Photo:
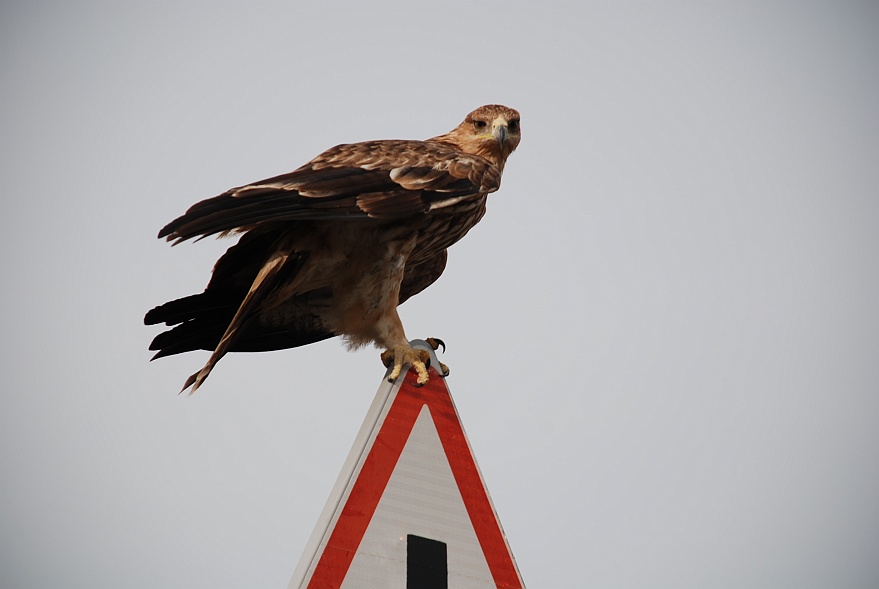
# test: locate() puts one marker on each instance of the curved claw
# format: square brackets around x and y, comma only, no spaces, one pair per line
[435,343]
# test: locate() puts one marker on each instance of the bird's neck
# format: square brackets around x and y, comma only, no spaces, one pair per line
[490,150]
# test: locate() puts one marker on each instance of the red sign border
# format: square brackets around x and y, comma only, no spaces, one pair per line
[376,471]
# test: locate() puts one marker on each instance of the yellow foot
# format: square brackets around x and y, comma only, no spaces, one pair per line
[400,355]
[418,359]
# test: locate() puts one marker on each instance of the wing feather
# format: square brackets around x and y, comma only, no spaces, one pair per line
[377,179]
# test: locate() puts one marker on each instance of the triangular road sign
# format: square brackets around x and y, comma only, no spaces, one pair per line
[410,508]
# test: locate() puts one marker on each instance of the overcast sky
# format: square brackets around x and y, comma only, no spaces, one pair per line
[663,337]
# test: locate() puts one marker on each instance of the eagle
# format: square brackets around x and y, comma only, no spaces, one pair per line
[332,248]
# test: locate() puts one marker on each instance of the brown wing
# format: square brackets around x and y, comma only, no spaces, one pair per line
[376,179]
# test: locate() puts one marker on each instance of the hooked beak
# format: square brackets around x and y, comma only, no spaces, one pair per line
[499,130]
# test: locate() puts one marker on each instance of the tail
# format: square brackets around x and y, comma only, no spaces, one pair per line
[263,285]
[199,321]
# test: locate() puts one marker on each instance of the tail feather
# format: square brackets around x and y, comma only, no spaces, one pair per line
[263,285]
[184,309]
[187,337]
[237,312]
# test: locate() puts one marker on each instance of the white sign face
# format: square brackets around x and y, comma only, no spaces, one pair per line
[410,508]
[421,499]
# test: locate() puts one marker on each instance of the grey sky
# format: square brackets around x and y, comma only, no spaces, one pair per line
[664,336]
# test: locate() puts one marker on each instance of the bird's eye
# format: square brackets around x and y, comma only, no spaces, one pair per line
[513,125]
[479,124]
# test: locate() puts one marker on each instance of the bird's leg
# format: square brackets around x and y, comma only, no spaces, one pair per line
[398,356]
[406,354]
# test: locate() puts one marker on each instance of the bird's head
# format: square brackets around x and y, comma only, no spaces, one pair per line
[491,131]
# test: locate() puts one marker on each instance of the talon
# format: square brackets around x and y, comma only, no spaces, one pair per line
[435,343]
[421,365]
[401,355]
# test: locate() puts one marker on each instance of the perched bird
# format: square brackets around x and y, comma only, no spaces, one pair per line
[333,247]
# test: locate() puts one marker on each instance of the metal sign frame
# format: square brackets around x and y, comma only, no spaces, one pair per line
[398,410]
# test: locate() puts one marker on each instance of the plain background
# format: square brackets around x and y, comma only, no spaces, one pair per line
[664,336]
